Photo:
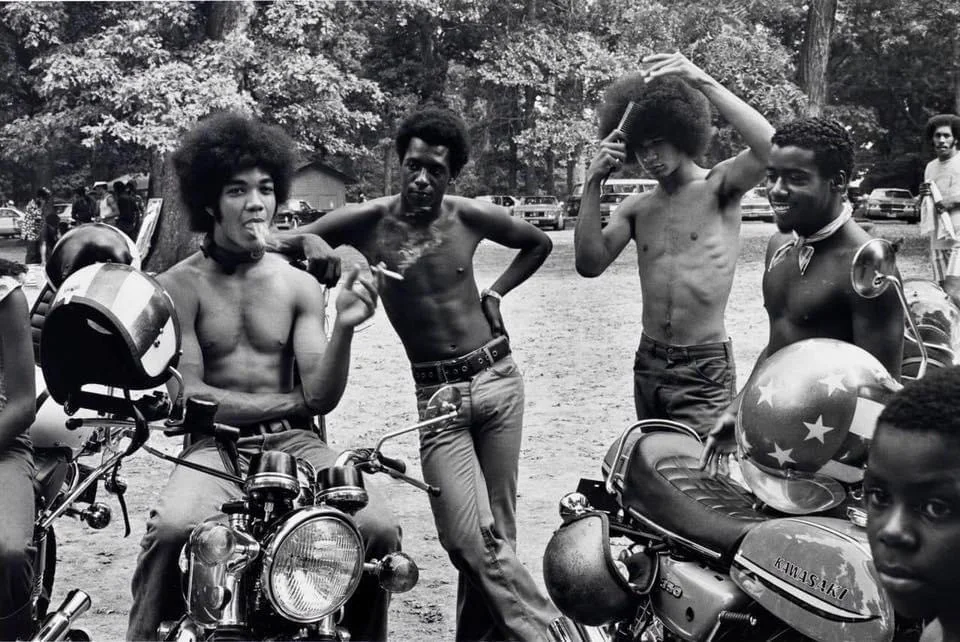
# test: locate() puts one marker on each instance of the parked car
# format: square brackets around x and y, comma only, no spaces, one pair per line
[610,186]
[10,221]
[755,205]
[295,212]
[502,200]
[608,203]
[886,202]
[542,211]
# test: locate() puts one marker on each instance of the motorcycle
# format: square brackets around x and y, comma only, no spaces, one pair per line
[661,551]
[75,422]
[71,425]
[280,562]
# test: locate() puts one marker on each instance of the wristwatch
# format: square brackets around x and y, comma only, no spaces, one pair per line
[488,292]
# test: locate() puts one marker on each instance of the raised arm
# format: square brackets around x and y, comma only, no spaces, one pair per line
[743,171]
[315,241]
[20,408]
[324,365]
[239,408]
[596,247]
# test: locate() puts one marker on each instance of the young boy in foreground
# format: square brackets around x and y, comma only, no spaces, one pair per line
[912,493]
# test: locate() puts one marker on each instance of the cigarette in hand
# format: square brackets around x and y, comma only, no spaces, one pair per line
[382,269]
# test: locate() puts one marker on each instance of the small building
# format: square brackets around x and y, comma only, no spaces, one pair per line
[321,185]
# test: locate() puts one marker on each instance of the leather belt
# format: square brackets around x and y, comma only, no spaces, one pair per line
[462,368]
[276,426]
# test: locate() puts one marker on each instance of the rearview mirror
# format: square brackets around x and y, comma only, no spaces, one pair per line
[446,399]
[873,268]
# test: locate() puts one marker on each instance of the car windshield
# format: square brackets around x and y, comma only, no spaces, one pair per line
[539,200]
[613,198]
[891,193]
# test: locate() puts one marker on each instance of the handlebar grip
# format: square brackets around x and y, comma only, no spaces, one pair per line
[396,464]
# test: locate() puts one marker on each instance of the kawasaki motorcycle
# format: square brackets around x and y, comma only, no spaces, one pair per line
[280,562]
[659,550]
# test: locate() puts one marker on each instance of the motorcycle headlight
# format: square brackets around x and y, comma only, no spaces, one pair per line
[313,563]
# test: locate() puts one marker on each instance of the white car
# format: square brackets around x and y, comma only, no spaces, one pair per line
[756,205]
[11,219]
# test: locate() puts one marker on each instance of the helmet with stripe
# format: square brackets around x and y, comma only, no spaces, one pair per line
[112,325]
[806,419]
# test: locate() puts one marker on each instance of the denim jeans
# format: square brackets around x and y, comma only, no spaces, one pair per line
[474,463]
[16,539]
[689,384]
[192,496]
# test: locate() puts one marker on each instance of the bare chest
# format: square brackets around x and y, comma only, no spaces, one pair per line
[687,225]
[815,298]
[431,258]
[233,317]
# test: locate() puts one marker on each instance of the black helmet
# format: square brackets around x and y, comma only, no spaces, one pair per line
[112,325]
[88,244]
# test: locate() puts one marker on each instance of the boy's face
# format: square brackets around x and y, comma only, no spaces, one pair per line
[424,174]
[912,494]
[944,143]
[802,199]
[246,207]
[658,157]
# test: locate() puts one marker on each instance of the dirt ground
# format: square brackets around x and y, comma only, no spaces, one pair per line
[574,339]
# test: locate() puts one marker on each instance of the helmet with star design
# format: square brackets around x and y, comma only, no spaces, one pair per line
[806,419]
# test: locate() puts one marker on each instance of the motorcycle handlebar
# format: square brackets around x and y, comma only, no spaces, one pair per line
[397,464]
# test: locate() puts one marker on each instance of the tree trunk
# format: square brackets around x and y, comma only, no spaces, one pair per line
[956,70]
[550,183]
[815,53]
[173,240]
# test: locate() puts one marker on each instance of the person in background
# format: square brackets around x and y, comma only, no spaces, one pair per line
[84,207]
[128,217]
[51,227]
[940,202]
[107,211]
[32,227]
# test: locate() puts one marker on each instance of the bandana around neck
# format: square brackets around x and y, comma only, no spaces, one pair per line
[804,244]
[228,260]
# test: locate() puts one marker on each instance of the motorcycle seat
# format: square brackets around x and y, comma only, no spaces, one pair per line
[663,487]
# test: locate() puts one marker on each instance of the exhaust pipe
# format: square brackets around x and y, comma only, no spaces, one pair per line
[57,625]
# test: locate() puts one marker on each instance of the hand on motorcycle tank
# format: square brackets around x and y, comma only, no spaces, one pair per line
[721,442]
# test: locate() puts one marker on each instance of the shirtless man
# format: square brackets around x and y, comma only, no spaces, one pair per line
[248,320]
[686,230]
[806,286]
[454,334]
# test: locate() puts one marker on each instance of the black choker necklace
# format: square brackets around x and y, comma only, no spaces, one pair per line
[228,260]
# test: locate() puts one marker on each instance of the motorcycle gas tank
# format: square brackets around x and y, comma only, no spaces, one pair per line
[817,575]
[49,429]
[938,321]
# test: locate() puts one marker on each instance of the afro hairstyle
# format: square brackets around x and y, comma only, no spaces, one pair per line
[217,148]
[927,404]
[831,143]
[666,107]
[436,126]
[940,120]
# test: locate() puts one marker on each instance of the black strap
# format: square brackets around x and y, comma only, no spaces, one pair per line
[227,259]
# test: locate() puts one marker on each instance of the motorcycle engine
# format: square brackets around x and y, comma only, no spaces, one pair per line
[690,597]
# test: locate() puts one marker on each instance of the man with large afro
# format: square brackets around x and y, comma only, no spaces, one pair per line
[454,335]
[943,201]
[686,229]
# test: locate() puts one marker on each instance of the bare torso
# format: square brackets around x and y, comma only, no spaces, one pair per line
[687,247]
[436,308]
[244,321]
[819,302]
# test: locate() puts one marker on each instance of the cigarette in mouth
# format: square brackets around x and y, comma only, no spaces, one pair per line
[260,231]
[381,268]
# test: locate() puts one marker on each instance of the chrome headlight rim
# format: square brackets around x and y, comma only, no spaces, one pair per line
[272,546]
